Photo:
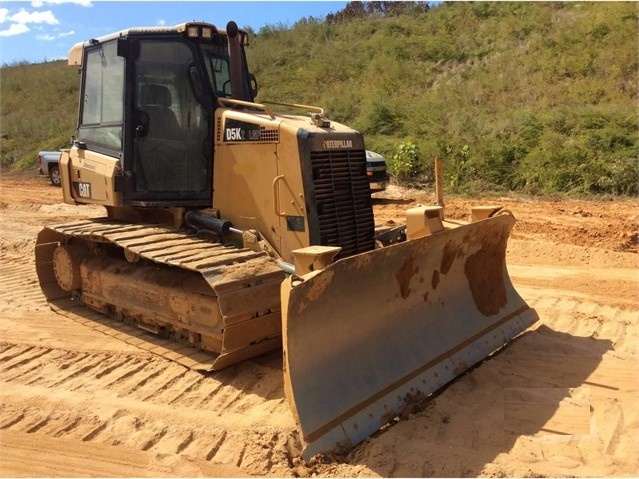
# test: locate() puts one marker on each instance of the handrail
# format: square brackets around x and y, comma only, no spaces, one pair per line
[316,109]
[232,101]
[276,196]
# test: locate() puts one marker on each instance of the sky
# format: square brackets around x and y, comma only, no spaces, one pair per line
[44,30]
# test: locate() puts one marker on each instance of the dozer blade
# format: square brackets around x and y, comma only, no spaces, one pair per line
[369,333]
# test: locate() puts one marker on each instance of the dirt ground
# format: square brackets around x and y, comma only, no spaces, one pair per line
[560,401]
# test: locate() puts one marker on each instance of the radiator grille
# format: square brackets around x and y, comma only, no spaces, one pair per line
[343,199]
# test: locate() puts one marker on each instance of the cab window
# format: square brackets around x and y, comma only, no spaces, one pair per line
[102,102]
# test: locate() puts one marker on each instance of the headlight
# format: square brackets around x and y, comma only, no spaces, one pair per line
[207,32]
[192,31]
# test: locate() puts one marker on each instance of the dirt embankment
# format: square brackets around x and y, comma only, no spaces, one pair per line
[562,400]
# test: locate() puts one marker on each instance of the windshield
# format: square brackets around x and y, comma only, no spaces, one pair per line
[216,61]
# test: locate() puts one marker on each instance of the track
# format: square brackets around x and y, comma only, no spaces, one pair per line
[78,400]
[179,284]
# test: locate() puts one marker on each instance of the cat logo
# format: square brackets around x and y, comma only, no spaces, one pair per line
[83,190]
[337,144]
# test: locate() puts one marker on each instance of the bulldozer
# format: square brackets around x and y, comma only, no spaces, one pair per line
[232,230]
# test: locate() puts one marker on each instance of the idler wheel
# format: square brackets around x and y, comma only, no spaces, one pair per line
[66,267]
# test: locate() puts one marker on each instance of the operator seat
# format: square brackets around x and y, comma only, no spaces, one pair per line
[155,100]
[160,152]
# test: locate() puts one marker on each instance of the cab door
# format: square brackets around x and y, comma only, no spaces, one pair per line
[170,156]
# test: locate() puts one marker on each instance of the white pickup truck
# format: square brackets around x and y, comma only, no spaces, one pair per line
[48,164]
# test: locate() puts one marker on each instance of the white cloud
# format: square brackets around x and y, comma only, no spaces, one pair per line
[66,34]
[20,21]
[41,3]
[46,38]
[161,22]
[14,29]
[25,17]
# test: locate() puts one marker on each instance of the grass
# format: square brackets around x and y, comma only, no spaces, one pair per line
[515,96]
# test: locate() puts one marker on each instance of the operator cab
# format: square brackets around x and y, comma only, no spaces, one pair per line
[148,97]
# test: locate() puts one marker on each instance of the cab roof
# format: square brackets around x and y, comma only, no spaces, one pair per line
[76,52]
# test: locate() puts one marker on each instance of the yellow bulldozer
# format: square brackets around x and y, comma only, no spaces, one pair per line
[234,230]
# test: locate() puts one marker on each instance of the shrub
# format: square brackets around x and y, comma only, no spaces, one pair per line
[405,163]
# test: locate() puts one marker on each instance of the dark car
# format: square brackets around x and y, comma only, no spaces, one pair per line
[376,171]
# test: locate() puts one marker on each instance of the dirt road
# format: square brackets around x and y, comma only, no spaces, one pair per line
[561,400]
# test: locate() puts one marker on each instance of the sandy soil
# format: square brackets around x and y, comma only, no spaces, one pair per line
[562,400]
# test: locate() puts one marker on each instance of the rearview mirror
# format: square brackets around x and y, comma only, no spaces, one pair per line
[253,85]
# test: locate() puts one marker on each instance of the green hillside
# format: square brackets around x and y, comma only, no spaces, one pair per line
[39,105]
[528,96]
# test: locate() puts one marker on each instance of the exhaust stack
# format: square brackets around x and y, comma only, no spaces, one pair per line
[235,55]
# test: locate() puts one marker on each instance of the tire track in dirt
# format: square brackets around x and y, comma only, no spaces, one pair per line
[53,392]
[99,396]
[564,299]
[142,376]
[580,317]
[20,290]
